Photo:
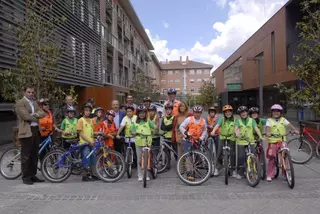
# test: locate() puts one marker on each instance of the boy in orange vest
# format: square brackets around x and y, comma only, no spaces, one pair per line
[109,129]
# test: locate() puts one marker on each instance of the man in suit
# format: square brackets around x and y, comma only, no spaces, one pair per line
[69,103]
[29,113]
[117,120]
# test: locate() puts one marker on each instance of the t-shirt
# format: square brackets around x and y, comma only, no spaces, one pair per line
[237,122]
[286,122]
[263,121]
[80,123]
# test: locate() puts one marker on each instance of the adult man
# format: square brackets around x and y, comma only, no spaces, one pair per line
[117,120]
[28,113]
[130,101]
[68,104]
[172,98]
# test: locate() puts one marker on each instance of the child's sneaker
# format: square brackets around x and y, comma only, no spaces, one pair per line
[216,172]
[234,174]
[139,178]
[269,179]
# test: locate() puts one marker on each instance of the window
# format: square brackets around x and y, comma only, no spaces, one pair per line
[191,72]
[206,71]
[199,80]
[177,72]
[103,32]
[170,72]
[163,81]
[193,89]
[73,45]
[177,81]
[191,80]
[177,89]
[170,81]
[273,52]
[199,71]
[163,73]
[83,53]
[214,81]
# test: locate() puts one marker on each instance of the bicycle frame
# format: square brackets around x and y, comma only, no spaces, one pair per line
[304,131]
[164,143]
[44,144]
[129,147]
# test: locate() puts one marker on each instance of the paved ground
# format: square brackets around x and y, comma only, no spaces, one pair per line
[166,194]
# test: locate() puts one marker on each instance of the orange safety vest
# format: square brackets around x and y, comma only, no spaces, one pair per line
[211,122]
[175,111]
[109,129]
[195,129]
[97,127]
[46,123]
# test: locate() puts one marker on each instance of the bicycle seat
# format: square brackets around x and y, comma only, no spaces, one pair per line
[72,141]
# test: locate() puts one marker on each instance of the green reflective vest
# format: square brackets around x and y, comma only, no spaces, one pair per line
[277,129]
[227,130]
[145,129]
[129,121]
[167,122]
[71,127]
[246,131]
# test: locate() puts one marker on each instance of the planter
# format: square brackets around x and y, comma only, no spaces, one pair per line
[16,141]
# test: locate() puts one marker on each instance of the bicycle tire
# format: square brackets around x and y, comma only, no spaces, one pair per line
[165,160]
[255,160]
[19,173]
[262,160]
[305,143]
[45,173]
[226,167]
[154,170]
[212,156]
[318,150]
[120,174]
[291,182]
[277,170]
[182,160]
[128,165]
[145,164]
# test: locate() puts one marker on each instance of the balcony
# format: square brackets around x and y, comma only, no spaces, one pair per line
[126,62]
[120,47]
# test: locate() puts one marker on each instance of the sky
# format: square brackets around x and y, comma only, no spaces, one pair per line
[208,31]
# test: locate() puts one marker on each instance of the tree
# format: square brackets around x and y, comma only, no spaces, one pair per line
[308,68]
[143,87]
[208,94]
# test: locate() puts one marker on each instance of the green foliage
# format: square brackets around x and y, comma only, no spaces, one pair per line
[308,68]
[144,87]
[208,94]
[37,54]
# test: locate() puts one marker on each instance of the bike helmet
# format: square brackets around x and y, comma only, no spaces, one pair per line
[168,106]
[212,109]
[111,112]
[197,108]
[172,91]
[147,99]
[98,109]
[71,109]
[128,106]
[87,105]
[153,108]
[253,110]
[91,100]
[277,107]
[141,108]
[226,108]
[242,109]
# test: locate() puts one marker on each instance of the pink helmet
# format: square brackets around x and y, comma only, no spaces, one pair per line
[276,107]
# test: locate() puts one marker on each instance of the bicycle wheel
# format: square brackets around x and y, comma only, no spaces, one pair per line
[194,168]
[110,166]
[212,155]
[276,169]
[128,162]
[58,174]
[318,150]
[154,170]
[162,161]
[226,167]
[262,160]
[301,151]
[11,160]
[288,168]
[253,170]
[145,167]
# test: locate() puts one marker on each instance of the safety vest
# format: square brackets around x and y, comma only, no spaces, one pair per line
[245,131]
[46,123]
[71,127]
[176,103]
[129,121]
[145,129]
[97,127]
[87,130]
[277,129]
[167,122]
[211,122]
[227,130]
[195,129]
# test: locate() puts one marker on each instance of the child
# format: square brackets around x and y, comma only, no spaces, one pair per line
[69,127]
[85,130]
[254,114]
[109,129]
[276,125]
[141,127]
[226,125]
[244,128]
[211,122]
[153,116]
[167,127]
[98,121]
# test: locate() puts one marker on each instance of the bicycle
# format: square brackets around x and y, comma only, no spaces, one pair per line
[226,152]
[45,146]
[284,161]
[128,155]
[210,149]
[304,149]
[193,164]
[252,164]
[106,167]
[147,160]
[260,153]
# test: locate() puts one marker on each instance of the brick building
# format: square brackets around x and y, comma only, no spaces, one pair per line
[269,51]
[185,76]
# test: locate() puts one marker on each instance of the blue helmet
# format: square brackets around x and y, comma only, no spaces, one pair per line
[172,91]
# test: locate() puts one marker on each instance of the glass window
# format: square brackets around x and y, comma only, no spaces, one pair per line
[177,72]
[191,72]
[193,89]
[177,80]
[191,80]
[163,73]
[199,80]
[199,71]
[170,81]
[163,81]
[170,72]
[206,71]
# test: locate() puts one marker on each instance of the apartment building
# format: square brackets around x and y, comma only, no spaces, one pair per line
[185,76]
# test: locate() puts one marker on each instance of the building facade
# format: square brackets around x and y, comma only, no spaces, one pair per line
[185,76]
[269,52]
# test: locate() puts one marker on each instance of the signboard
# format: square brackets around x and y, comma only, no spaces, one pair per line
[234,86]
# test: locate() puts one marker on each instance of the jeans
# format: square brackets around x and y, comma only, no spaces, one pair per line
[186,145]
[139,156]
[91,161]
